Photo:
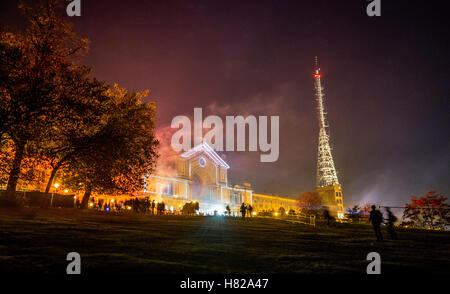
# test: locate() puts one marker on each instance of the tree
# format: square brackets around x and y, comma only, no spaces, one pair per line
[310,203]
[189,208]
[429,211]
[39,83]
[120,151]
[73,136]
[32,168]
[355,213]
[309,200]
[367,208]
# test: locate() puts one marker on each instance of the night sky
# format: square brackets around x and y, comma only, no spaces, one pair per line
[386,82]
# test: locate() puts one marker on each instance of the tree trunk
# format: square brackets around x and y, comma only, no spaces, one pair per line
[86,196]
[52,176]
[15,170]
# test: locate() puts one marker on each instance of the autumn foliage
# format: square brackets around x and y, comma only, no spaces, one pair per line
[309,200]
[56,120]
[429,211]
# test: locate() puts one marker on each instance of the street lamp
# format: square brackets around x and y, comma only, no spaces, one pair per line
[56,185]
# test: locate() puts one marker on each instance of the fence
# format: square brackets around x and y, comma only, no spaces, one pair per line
[36,198]
[306,219]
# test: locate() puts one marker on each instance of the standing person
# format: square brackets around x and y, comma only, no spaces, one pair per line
[250,209]
[376,218]
[153,206]
[163,208]
[391,220]
[99,205]
[243,209]
[137,205]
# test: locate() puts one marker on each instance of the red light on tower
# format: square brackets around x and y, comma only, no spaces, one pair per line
[317,76]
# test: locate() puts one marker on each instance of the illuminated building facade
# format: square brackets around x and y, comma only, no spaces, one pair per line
[202,175]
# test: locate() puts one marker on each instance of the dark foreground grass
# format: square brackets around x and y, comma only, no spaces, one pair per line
[37,241]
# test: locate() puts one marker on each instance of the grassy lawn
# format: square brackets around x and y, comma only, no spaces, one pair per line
[37,241]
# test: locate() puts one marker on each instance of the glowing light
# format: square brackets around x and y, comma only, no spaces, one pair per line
[193,201]
[276,213]
[56,185]
[254,213]
[179,205]
[129,207]
[317,76]
[74,197]
[91,204]
[112,200]
[156,202]
[66,191]
[287,212]
[218,209]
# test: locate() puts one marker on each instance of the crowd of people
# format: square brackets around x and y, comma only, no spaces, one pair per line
[147,205]
[137,205]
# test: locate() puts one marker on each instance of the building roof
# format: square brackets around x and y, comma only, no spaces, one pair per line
[203,147]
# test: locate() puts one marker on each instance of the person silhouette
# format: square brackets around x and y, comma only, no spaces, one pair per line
[376,218]
[243,209]
[390,221]
[153,206]
[327,215]
[250,209]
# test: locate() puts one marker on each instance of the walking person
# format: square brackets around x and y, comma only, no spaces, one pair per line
[390,221]
[376,218]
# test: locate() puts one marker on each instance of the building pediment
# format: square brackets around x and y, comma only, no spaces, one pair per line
[204,148]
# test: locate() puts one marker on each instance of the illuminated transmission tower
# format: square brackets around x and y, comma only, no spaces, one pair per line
[326,173]
[328,186]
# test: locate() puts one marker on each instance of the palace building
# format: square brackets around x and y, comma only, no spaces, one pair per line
[200,174]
